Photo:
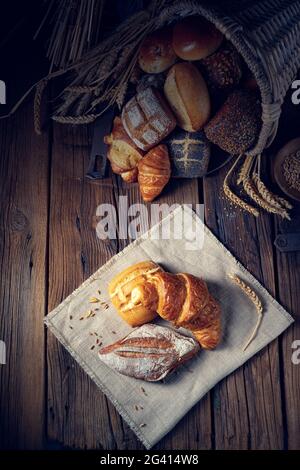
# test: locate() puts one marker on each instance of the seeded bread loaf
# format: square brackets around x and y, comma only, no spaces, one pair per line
[236,126]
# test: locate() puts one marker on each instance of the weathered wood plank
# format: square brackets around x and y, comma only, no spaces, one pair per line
[247,404]
[288,286]
[79,415]
[23,246]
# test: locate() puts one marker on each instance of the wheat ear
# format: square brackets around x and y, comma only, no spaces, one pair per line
[256,301]
[268,196]
[37,105]
[85,119]
[233,197]
[245,169]
[251,191]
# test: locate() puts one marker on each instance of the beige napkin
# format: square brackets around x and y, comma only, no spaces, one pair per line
[153,409]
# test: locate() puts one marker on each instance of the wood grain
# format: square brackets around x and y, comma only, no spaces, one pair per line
[247,404]
[23,249]
[288,287]
[79,415]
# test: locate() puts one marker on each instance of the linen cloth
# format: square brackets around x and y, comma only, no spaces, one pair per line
[161,405]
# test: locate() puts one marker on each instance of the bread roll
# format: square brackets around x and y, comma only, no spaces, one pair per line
[189,153]
[195,38]
[222,70]
[123,154]
[149,352]
[132,295]
[147,118]
[187,94]
[156,52]
[236,126]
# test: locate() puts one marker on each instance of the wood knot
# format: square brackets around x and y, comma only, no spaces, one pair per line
[18,220]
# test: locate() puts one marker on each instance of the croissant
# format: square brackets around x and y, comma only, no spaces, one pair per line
[123,154]
[143,290]
[154,172]
[134,297]
[185,300]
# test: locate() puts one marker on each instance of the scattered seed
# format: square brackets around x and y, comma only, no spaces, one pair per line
[91,333]
[94,300]
[95,333]
[136,407]
[98,341]
[143,425]
[96,309]
[92,347]
[71,327]
[144,391]
[141,407]
[99,292]
[81,318]
[71,318]
[114,333]
[100,344]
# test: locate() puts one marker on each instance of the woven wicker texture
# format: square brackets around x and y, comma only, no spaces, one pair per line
[267,35]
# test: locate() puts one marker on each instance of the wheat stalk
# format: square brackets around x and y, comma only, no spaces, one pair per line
[251,191]
[233,197]
[40,88]
[255,300]
[85,119]
[268,196]
[245,169]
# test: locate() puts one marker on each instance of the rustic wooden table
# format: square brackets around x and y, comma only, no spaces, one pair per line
[49,247]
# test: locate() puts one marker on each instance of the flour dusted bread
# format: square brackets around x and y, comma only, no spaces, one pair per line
[147,118]
[149,352]
[187,94]
[123,154]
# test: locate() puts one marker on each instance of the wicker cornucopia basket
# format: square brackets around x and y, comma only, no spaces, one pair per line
[265,32]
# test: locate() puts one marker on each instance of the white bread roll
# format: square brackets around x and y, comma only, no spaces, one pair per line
[187,94]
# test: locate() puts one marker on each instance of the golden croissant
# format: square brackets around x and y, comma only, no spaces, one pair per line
[123,154]
[154,171]
[134,297]
[144,290]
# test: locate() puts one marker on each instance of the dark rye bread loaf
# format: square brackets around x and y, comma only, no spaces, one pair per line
[236,126]
[189,153]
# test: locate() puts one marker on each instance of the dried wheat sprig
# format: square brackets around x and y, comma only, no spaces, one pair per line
[256,301]
[268,196]
[80,89]
[245,169]
[85,119]
[40,88]
[121,95]
[251,191]
[233,197]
